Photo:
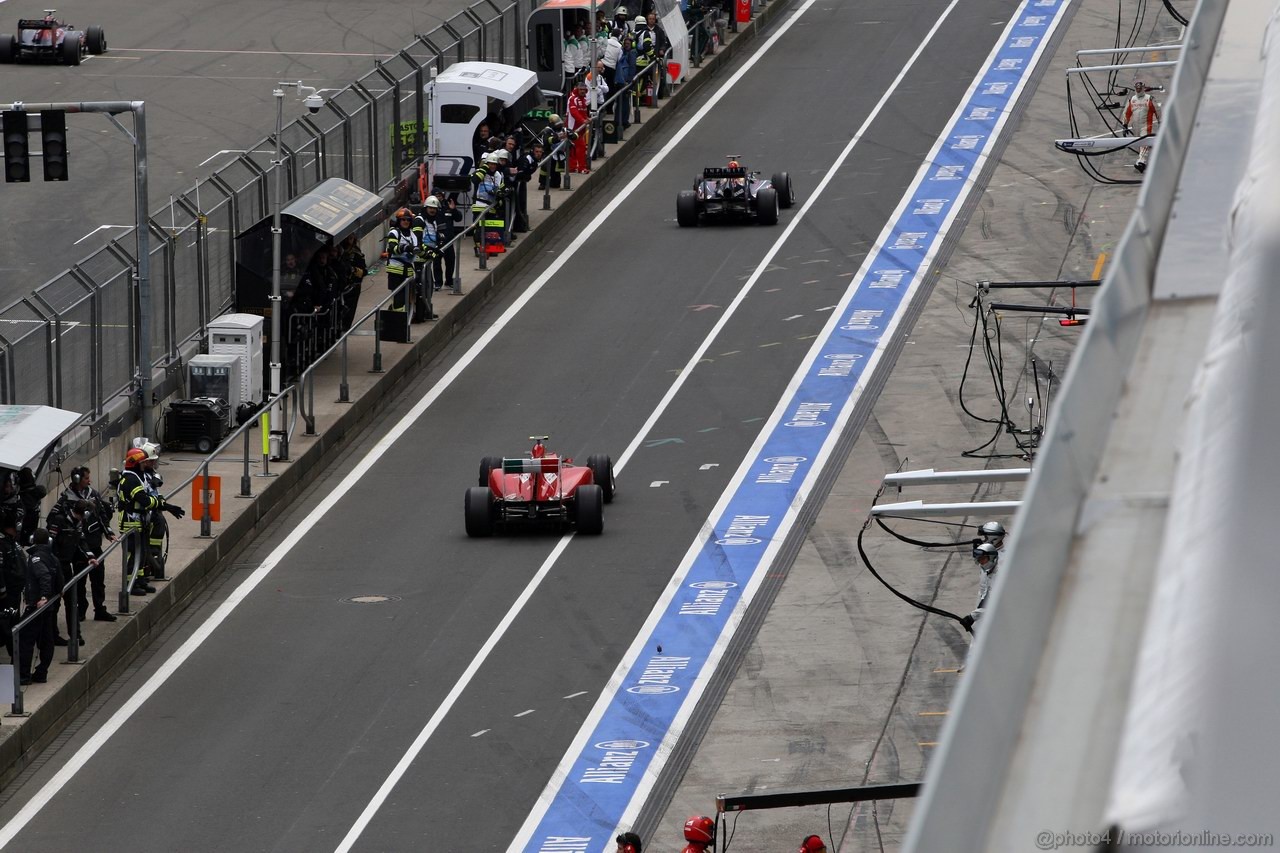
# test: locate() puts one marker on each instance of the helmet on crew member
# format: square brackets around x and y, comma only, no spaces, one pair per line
[554,119]
[151,449]
[992,530]
[700,828]
[639,21]
[404,213]
[620,12]
[432,203]
[734,164]
[985,551]
[135,457]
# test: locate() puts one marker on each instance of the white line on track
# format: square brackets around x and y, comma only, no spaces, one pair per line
[96,230]
[218,154]
[244,52]
[202,633]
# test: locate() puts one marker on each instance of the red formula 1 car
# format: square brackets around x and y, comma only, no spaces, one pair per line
[48,39]
[540,488]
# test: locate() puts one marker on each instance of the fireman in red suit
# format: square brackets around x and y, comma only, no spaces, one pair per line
[1141,115]
[579,116]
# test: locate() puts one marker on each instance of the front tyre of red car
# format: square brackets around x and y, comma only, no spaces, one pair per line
[767,206]
[95,40]
[687,208]
[602,473]
[479,512]
[8,48]
[589,509]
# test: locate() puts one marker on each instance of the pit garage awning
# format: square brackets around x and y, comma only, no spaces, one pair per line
[26,432]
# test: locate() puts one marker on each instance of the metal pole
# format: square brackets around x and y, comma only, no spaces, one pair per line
[73,625]
[377,342]
[15,709]
[344,390]
[246,489]
[142,235]
[206,523]
[592,88]
[276,416]
[124,573]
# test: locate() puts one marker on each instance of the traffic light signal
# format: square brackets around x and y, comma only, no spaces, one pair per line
[53,144]
[17,158]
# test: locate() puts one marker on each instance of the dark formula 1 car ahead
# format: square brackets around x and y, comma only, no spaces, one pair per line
[734,193]
[540,488]
[49,40]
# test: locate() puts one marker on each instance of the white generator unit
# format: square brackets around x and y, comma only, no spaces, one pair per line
[216,376]
[240,335]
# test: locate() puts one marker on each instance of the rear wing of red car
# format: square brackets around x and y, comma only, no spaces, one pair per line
[519,465]
[37,24]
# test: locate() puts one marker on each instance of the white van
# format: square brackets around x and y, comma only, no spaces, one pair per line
[462,97]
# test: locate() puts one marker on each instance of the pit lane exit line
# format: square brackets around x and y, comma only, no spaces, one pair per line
[202,632]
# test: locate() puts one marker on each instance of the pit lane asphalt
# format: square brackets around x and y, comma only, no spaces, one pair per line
[278,730]
[206,72]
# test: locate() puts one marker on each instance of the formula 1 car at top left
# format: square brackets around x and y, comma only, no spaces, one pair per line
[48,39]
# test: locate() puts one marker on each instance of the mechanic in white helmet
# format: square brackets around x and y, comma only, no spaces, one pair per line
[988,559]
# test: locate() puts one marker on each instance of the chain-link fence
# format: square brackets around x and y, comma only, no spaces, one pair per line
[72,343]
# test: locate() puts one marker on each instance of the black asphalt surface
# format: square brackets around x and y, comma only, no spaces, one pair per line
[206,72]
[278,731]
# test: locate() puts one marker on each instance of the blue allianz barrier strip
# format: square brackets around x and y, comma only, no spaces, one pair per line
[617,761]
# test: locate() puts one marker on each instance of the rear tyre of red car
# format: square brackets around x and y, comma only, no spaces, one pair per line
[589,509]
[479,512]
[782,183]
[602,473]
[687,208]
[488,464]
[767,206]
[95,40]
[8,48]
[70,48]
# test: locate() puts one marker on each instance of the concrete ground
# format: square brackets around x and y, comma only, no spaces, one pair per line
[844,684]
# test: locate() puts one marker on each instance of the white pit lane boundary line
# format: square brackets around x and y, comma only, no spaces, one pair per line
[117,720]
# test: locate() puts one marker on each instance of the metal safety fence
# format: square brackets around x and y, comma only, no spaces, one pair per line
[72,343]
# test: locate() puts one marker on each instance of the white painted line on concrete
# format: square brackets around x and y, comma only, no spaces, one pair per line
[482,731]
[575,695]
[524,713]
[96,230]
[657,484]
[245,52]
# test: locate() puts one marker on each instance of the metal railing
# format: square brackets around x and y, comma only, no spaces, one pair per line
[69,592]
[71,343]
